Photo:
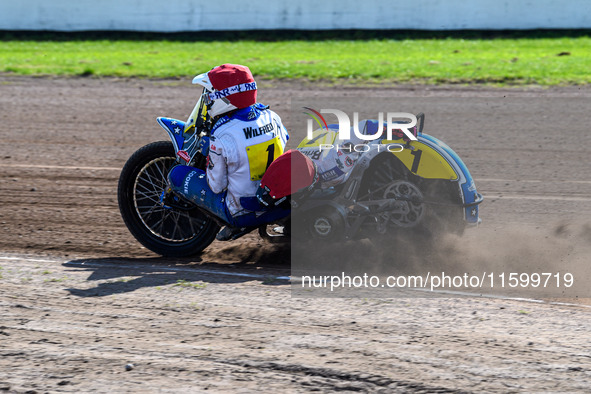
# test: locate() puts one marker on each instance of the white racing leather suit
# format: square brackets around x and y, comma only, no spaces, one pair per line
[242,146]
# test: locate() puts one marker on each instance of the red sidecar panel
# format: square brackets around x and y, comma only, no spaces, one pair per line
[289,173]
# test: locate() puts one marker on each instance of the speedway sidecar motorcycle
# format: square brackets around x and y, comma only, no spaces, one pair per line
[423,187]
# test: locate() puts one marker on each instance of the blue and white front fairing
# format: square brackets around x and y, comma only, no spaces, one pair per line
[175,129]
[184,142]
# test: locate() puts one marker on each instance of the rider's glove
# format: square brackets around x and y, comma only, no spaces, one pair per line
[203,145]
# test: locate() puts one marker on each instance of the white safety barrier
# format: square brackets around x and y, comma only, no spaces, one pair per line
[200,15]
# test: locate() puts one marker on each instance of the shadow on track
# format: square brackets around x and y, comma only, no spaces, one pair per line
[117,275]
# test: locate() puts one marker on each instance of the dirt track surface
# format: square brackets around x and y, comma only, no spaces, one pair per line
[80,298]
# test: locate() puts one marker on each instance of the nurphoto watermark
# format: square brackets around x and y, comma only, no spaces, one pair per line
[393,128]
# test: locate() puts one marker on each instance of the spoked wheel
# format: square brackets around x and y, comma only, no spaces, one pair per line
[175,230]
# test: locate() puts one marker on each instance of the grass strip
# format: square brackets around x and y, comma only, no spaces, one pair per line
[543,60]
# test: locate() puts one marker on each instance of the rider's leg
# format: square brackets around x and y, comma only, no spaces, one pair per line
[255,219]
[191,183]
[243,224]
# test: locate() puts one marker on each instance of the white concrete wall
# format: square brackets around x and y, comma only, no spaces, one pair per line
[195,15]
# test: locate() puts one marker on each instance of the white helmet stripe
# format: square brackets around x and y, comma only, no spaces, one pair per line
[243,87]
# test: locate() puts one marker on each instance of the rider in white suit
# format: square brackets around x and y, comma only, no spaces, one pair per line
[245,138]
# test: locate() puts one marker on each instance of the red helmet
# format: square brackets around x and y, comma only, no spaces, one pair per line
[229,87]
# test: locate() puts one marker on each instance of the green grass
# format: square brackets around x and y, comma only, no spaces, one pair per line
[518,61]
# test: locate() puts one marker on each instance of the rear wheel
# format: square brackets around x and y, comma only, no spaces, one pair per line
[388,177]
[177,231]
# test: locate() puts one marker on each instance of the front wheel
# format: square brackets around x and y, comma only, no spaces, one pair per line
[164,230]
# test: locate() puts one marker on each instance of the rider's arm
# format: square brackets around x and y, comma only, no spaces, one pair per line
[282,131]
[217,167]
